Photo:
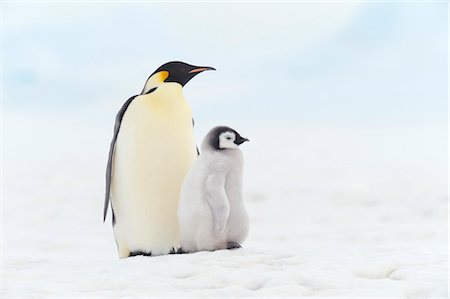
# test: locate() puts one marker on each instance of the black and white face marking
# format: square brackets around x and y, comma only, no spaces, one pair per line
[221,138]
[226,140]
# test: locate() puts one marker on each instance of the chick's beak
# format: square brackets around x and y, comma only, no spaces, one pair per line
[240,140]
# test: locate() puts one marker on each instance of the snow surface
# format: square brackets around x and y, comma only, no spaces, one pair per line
[335,212]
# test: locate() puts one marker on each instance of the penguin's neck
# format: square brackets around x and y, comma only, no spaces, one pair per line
[165,94]
[170,89]
[168,102]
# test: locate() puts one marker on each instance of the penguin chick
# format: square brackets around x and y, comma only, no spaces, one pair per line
[211,213]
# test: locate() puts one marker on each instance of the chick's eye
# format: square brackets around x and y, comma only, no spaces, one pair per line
[229,138]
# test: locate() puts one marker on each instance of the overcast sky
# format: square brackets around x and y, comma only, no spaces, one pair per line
[378,63]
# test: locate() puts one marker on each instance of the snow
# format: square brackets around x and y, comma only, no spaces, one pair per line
[334,212]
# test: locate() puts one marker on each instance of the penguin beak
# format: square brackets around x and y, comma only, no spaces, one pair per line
[200,69]
[240,140]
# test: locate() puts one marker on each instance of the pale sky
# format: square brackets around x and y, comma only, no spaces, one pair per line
[378,63]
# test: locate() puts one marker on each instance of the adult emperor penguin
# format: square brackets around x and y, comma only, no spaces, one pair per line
[211,213]
[151,151]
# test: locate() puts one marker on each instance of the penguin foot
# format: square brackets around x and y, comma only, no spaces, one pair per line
[173,251]
[136,253]
[181,251]
[233,245]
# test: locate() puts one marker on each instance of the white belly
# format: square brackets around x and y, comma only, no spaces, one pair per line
[154,151]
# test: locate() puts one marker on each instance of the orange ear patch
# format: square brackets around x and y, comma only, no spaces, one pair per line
[162,76]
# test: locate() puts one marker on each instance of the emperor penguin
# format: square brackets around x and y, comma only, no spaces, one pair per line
[211,212]
[151,151]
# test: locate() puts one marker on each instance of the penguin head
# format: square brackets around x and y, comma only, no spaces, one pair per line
[174,71]
[221,138]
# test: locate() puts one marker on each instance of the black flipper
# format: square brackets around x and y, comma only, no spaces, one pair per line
[113,216]
[119,117]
